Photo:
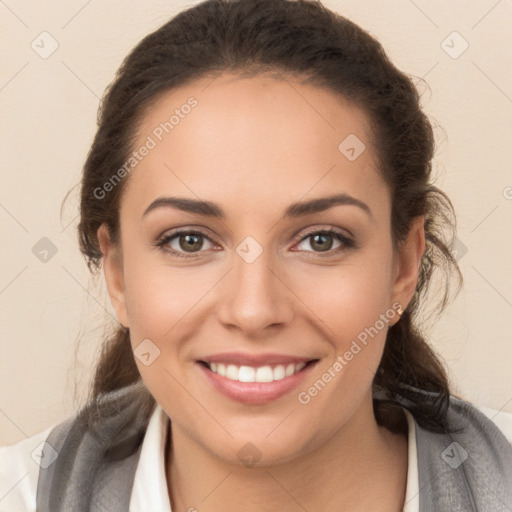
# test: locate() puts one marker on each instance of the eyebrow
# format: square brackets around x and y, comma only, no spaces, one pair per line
[295,210]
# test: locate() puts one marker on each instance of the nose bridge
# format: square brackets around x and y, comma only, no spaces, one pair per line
[256,297]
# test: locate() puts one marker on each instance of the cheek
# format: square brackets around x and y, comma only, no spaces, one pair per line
[349,307]
[354,311]
[167,305]
[160,300]
[349,298]
[158,296]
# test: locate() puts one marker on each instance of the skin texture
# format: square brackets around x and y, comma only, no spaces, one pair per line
[254,146]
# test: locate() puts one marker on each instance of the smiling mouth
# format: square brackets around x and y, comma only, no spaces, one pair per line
[259,374]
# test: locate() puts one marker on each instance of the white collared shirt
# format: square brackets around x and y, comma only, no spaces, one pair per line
[150,484]
[19,469]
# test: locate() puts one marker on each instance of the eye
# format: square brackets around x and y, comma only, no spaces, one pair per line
[186,242]
[322,241]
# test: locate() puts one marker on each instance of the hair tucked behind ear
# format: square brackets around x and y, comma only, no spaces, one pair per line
[304,39]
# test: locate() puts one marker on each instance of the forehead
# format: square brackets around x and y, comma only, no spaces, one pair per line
[247,138]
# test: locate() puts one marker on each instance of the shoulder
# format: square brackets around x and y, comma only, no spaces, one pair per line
[469,466]
[86,447]
[19,471]
[502,419]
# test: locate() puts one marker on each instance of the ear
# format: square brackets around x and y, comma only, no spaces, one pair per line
[407,263]
[113,271]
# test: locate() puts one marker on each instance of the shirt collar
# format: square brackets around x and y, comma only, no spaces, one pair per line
[412,496]
[149,490]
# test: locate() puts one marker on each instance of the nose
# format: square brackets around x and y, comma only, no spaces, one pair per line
[255,297]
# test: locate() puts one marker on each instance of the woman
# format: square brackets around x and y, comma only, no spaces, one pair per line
[259,196]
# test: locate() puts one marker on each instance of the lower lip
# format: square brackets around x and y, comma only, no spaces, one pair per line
[255,393]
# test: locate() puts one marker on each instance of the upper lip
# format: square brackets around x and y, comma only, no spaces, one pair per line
[241,359]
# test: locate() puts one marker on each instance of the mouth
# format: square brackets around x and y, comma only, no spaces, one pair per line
[254,382]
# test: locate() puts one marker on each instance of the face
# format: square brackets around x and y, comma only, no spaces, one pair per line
[286,296]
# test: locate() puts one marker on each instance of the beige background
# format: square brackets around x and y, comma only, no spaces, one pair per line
[48,112]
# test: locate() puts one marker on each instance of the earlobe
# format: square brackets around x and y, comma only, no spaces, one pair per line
[113,272]
[409,257]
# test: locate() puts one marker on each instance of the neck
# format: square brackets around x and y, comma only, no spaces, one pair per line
[361,467]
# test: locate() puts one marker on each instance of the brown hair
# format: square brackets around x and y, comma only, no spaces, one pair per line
[304,39]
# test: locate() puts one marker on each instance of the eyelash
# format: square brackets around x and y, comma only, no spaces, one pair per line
[347,243]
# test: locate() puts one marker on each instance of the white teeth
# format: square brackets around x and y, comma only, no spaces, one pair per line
[264,374]
[299,366]
[289,369]
[231,372]
[246,374]
[279,372]
[259,374]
